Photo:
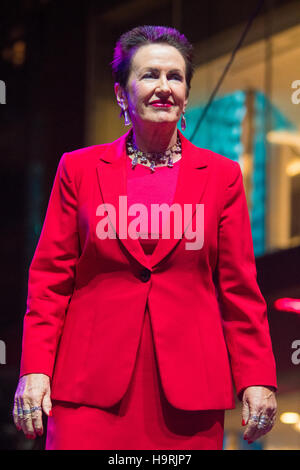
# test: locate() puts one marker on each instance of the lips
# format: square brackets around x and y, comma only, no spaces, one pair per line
[161,104]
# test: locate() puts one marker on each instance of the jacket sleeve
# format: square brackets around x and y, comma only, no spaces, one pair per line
[51,276]
[243,308]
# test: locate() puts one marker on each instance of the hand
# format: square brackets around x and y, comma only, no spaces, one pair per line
[33,391]
[259,411]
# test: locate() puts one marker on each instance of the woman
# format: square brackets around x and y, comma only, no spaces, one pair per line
[129,341]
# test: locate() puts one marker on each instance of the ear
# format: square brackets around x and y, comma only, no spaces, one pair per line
[185,104]
[121,96]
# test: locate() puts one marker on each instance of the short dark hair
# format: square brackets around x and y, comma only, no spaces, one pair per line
[140,36]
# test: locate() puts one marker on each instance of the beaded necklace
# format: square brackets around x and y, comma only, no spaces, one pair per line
[154,158]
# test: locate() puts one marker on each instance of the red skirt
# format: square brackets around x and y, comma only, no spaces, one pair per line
[143,419]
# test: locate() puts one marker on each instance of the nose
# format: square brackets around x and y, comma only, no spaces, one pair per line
[163,85]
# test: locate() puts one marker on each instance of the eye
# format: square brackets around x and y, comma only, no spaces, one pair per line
[149,75]
[176,76]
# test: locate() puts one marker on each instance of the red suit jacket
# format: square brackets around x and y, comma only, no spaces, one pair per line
[87,296]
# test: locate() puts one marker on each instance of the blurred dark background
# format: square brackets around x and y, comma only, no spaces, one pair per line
[53,54]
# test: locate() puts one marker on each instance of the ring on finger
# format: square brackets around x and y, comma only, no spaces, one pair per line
[263,422]
[36,408]
[254,418]
[31,410]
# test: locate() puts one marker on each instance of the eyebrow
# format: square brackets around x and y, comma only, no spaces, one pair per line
[153,69]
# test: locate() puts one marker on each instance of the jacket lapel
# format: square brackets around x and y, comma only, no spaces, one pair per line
[192,180]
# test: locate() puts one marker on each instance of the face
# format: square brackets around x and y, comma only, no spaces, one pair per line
[156,89]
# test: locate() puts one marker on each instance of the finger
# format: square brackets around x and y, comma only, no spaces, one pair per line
[46,403]
[37,415]
[251,428]
[15,415]
[260,431]
[20,415]
[37,422]
[265,423]
[245,413]
[27,424]
[267,417]
[267,420]
[257,433]
[248,412]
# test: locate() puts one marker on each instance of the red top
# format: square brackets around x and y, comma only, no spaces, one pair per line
[147,187]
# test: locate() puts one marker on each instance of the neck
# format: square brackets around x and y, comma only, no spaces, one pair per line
[155,139]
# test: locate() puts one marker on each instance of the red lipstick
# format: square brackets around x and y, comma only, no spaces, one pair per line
[160,104]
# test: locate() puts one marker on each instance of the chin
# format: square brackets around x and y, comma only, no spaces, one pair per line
[163,120]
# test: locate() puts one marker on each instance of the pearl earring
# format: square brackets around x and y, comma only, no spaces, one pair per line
[127,121]
[183,123]
[125,113]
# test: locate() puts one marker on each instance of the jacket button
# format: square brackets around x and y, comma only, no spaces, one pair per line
[145,275]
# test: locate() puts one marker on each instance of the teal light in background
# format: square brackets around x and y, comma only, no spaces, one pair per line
[264,110]
[237,439]
[243,445]
[221,129]
[221,132]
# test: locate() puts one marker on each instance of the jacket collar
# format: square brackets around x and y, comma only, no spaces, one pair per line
[195,156]
[191,184]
